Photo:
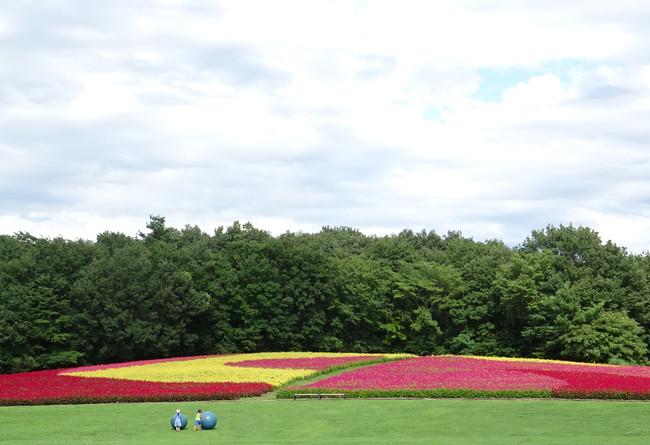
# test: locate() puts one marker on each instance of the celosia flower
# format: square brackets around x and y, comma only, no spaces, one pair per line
[492,374]
[273,368]
[49,387]
[185,378]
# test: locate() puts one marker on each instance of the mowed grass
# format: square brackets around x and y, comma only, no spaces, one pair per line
[336,422]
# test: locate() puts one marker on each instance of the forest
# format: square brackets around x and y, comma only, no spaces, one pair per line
[562,293]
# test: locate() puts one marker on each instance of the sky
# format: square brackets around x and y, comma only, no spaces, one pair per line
[491,118]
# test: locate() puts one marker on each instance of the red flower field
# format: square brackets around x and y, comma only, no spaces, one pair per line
[50,388]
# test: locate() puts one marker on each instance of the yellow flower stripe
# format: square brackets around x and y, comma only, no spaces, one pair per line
[214,369]
[535,360]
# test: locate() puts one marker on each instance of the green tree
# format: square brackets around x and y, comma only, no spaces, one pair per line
[473,311]
[244,289]
[135,302]
[36,277]
[359,309]
[601,336]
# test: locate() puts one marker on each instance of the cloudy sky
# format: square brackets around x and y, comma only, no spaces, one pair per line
[493,118]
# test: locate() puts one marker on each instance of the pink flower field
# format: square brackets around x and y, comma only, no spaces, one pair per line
[454,376]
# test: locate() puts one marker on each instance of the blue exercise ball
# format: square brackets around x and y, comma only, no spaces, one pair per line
[209,420]
[183,421]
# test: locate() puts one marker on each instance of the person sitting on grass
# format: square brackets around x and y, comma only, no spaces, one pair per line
[198,420]
[177,420]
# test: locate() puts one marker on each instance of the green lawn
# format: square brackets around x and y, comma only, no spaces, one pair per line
[336,422]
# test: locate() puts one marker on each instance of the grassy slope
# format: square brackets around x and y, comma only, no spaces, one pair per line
[337,422]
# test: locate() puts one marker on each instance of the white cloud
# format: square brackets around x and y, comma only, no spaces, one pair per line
[295,115]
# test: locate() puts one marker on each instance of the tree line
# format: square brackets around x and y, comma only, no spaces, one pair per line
[561,294]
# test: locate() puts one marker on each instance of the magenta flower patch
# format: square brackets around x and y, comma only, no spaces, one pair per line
[451,372]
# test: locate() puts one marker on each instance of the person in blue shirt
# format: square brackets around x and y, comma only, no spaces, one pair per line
[177,420]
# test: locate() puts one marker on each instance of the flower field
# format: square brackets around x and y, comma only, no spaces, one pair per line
[454,376]
[217,377]
[51,388]
[224,377]
[273,368]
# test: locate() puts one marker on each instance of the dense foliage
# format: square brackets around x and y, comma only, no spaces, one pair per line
[561,294]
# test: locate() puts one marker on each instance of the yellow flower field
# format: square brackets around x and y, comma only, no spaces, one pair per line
[533,360]
[216,369]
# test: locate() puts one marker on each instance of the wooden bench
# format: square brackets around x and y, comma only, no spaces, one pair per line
[319,395]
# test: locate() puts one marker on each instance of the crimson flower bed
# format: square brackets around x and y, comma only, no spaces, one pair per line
[453,376]
[50,388]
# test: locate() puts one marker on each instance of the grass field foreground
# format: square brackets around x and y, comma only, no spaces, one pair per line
[336,422]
